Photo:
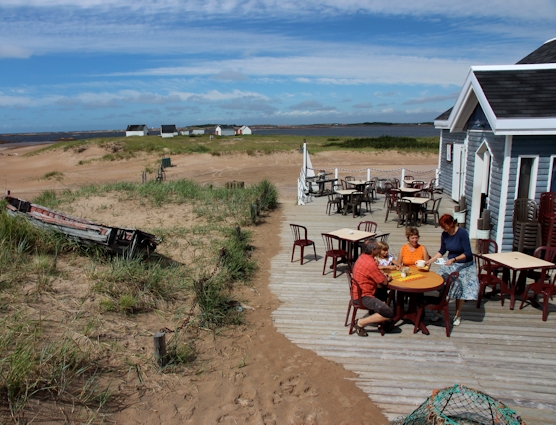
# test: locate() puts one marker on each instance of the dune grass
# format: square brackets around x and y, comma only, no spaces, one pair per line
[128,147]
[39,362]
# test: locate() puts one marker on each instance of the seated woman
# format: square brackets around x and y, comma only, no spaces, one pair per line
[412,250]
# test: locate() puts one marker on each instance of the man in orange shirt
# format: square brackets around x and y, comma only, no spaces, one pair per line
[369,278]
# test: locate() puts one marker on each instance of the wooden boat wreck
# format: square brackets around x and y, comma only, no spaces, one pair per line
[116,240]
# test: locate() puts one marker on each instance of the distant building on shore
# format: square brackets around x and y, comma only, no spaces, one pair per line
[168,130]
[136,130]
[225,130]
[243,130]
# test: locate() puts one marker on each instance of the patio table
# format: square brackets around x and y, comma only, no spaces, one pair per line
[518,261]
[359,184]
[408,191]
[414,289]
[350,239]
[346,193]
[322,186]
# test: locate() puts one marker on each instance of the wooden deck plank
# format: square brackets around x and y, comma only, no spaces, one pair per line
[509,355]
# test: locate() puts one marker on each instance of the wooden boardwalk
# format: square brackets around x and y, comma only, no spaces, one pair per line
[510,355]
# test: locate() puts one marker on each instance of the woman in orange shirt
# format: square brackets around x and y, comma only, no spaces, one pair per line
[412,250]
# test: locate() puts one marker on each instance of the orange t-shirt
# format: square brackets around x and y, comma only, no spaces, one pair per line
[409,257]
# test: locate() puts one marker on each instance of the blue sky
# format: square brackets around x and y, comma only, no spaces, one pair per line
[103,64]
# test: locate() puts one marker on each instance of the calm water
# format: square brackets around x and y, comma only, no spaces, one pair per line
[21,139]
[357,131]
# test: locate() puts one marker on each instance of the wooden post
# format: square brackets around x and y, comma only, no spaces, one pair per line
[160,348]
[238,232]
[253,213]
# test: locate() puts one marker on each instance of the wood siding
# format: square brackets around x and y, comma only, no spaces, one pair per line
[446,168]
[543,147]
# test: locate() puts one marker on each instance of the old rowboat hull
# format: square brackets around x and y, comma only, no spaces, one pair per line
[115,239]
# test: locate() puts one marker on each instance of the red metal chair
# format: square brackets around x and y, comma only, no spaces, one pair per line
[368,226]
[300,239]
[331,251]
[438,304]
[487,277]
[545,285]
[356,304]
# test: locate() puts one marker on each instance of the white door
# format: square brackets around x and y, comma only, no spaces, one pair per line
[458,171]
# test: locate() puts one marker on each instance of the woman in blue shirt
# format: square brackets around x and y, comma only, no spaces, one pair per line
[455,241]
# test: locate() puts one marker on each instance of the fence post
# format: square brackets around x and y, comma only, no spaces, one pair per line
[336,177]
[368,174]
[403,178]
[160,348]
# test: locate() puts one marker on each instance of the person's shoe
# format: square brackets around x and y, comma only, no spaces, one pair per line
[360,330]
[457,321]
[436,316]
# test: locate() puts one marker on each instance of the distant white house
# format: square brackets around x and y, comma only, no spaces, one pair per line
[196,131]
[243,130]
[184,132]
[137,130]
[168,130]
[225,130]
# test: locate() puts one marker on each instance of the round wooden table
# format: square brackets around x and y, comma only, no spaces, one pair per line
[414,289]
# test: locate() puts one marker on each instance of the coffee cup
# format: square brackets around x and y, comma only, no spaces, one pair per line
[420,263]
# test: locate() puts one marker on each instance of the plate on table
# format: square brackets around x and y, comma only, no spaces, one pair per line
[423,269]
[440,261]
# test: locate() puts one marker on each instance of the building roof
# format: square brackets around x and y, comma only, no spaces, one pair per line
[516,99]
[171,128]
[544,54]
[136,127]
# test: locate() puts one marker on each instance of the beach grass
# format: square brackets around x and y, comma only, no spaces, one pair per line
[121,148]
[57,360]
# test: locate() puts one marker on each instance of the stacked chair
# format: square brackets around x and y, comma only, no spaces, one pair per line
[547,218]
[526,226]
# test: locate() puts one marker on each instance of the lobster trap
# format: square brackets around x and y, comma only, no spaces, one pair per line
[460,405]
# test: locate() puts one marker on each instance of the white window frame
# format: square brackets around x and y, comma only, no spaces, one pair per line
[550,171]
[532,180]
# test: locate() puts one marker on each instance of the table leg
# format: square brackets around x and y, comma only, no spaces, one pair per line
[512,290]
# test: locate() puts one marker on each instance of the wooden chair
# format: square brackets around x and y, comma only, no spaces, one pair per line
[486,276]
[396,183]
[300,239]
[349,178]
[438,304]
[545,286]
[367,226]
[433,209]
[333,200]
[332,246]
[371,186]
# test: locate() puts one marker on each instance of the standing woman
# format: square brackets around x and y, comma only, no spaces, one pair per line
[412,250]
[455,241]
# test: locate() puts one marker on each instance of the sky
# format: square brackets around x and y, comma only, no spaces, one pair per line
[77,65]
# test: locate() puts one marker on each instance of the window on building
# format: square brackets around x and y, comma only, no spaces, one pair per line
[524,182]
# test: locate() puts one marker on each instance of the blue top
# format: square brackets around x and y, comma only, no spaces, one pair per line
[456,244]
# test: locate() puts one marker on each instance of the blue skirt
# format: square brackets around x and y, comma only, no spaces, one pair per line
[466,287]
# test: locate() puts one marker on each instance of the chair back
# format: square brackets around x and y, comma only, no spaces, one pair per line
[382,238]
[404,207]
[444,297]
[486,246]
[299,232]
[331,242]
[392,201]
[387,186]
[343,184]
[349,178]
[355,291]
[546,253]
[367,226]
[525,209]
[409,178]
[418,184]
[396,183]
[435,206]
[486,270]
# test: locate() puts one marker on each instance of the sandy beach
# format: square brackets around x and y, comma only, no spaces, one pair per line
[278,382]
